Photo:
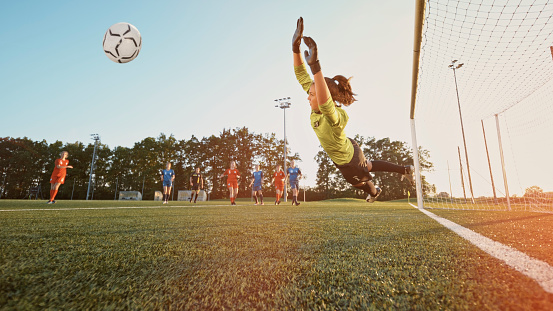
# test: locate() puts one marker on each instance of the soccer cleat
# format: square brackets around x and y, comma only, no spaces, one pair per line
[297,203]
[371,199]
[49,202]
[256,203]
[54,202]
[262,203]
[409,174]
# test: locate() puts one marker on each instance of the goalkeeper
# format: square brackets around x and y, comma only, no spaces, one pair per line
[328,120]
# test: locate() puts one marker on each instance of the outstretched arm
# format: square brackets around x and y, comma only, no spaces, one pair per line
[311,56]
[299,68]
[296,41]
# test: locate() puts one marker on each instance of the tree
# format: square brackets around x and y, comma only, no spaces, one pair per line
[533,192]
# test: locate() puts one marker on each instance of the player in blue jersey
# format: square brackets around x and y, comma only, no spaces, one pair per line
[257,181]
[167,177]
[293,174]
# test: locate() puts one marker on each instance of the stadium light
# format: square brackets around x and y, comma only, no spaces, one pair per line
[96,138]
[455,67]
[284,103]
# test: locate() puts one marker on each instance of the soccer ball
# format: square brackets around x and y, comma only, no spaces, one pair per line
[122,42]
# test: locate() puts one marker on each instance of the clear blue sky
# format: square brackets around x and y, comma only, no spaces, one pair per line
[204,66]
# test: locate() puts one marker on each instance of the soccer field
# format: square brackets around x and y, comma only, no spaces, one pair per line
[340,254]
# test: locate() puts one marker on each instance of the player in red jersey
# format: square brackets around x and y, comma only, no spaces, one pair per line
[58,175]
[278,181]
[232,181]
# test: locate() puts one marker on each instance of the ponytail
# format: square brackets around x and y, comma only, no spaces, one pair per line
[340,90]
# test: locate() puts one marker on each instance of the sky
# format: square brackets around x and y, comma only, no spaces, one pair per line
[204,66]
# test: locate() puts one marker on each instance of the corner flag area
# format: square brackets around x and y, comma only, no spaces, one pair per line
[336,254]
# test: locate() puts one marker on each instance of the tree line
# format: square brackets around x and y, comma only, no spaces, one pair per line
[25,163]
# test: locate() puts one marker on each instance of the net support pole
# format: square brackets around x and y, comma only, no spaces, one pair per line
[449,178]
[417,165]
[461,170]
[420,6]
[489,163]
[503,163]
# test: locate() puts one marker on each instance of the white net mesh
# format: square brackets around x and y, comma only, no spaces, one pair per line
[507,71]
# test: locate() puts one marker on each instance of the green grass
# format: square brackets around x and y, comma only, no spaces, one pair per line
[340,254]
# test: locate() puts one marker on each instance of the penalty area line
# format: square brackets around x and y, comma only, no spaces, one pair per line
[538,270]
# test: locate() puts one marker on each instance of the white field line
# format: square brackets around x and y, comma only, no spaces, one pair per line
[539,271]
[101,208]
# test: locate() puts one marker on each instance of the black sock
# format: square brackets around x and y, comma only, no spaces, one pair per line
[383,166]
[164,197]
[195,197]
[295,199]
[368,187]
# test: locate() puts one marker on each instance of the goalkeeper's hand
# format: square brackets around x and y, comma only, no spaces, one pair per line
[311,56]
[298,34]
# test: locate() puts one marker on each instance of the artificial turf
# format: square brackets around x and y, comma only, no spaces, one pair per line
[343,254]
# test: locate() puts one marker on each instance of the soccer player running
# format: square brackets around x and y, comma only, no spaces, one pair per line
[293,175]
[232,181]
[278,181]
[58,175]
[257,181]
[328,120]
[167,177]
[197,183]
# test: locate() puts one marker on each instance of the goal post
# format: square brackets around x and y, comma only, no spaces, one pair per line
[419,21]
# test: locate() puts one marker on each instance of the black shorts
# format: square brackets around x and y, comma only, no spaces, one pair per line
[196,187]
[356,171]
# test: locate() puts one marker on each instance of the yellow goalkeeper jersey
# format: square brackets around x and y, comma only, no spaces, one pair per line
[328,124]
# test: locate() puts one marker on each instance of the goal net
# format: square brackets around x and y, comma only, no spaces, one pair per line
[487,65]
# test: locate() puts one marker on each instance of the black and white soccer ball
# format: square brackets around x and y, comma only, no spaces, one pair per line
[122,42]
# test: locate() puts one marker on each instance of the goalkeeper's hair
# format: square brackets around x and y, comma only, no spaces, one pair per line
[340,90]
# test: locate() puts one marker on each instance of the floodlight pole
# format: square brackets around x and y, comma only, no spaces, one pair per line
[96,138]
[454,67]
[116,184]
[73,188]
[3,185]
[284,103]
[215,148]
